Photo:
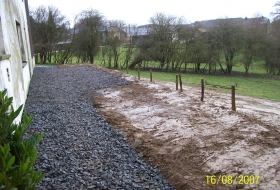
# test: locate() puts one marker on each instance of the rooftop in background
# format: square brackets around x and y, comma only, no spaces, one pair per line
[242,21]
[143,30]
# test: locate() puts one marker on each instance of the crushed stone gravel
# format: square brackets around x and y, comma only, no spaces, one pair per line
[80,150]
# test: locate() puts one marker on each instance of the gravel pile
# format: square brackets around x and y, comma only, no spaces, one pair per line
[80,150]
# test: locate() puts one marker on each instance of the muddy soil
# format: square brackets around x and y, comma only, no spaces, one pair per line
[189,139]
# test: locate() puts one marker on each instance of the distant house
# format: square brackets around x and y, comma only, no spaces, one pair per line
[245,22]
[144,32]
[137,33]
[16,54]
[130,34]
[127,35]
[114,32]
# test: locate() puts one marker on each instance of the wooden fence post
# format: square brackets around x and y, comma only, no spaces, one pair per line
[151,76]
[202,89]
[138,72]
[177,82]
[233,107]
[180,80]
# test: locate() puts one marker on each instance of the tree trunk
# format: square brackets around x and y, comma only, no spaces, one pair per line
[246,70]
[229,69]
[49,57]
[197,68]
[91,58]
[41,59]
[44,58]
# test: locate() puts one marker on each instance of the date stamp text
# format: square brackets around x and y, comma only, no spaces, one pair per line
[233,180]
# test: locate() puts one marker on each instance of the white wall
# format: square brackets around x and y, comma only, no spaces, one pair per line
[4,81]
[12,12]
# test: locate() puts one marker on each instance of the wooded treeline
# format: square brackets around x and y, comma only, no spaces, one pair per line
[167,41]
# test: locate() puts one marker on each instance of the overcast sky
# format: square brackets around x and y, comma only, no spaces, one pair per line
[139,11]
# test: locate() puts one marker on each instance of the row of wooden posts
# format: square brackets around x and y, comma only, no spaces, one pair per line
[179,81]
[233,107]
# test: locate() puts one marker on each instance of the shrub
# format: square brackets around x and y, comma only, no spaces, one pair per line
[17,154]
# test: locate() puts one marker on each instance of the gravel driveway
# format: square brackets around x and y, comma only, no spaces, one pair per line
[80,150]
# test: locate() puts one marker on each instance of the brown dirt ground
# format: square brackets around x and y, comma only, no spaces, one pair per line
[189,139]
[157,151]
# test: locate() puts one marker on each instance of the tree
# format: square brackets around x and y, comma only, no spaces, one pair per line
[144,51]
[63,52]
[271,50]
[106,55]
[228,32]
[159,43]
[49,28]
[129,47]
[213,51]
[87,40]
[114,39]
[164,30]
[186,34]
[253,36]
[277,11]
[197,49]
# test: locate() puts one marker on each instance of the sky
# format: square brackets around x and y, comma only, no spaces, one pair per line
[139,12]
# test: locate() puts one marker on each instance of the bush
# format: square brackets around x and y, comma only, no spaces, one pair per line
[17,154]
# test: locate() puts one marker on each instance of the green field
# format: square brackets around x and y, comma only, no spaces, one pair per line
[257,84]
[249,86]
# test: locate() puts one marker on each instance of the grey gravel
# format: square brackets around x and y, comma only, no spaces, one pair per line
[80,150]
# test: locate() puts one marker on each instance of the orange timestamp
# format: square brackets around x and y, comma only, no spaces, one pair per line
[232,180]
